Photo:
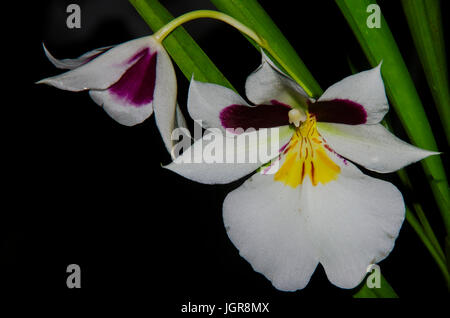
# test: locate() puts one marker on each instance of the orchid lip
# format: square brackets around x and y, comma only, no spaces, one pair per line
[306,155]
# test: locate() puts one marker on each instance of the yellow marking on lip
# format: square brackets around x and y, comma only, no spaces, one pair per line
[306,157]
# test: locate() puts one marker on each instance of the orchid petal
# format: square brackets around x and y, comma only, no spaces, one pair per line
[165,97]
[269,83]
[218,106]
[104,70]
[120,110]
[180,121]
[129,100]
[205,170]
[207,100]
[364,88]
[371,146]
[70,64]
[356,225]
[284,232]
[263,221]
[181,129]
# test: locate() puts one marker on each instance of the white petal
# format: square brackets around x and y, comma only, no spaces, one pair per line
[346,225]
[365,88]
[182,132]
[164,101]
[103,71]
[120,110]
[263,220]
[268,83]
[206,101]
[165,97]
[196,165]
[180,121]
[371,146]
[70,64]
[354,222]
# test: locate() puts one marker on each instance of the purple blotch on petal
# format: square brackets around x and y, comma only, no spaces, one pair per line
[341,111]
[277,103]
[137,84]
[261,116]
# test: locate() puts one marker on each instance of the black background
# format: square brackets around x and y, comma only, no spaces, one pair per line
[80,188]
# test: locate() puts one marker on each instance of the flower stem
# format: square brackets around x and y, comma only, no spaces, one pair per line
[162,33]
[198,14]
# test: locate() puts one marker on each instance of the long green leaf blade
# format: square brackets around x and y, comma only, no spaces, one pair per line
[186,53]
[412,220]
[385,291]
[425,22]
[379,45]
[253,15]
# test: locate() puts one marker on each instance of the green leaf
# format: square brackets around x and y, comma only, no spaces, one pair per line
[447,252]
[425,22]
[186,53]
[429,231]
[412,220]
[365,292]
[379,45]
[385,291]
[422,229]
[253,15]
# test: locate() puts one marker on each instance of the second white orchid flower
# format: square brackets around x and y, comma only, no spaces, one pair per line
[130,81]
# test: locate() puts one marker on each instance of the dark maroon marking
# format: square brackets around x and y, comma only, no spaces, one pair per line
[284,147]
[338,155]
[261,116]
[137,84]
[341,111]
[277,103]
[328,148]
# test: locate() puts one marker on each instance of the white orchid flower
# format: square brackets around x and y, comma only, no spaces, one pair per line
[318,207]
[129,81]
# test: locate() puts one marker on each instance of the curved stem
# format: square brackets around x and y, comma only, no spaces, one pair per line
[162,33]
[198,14]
